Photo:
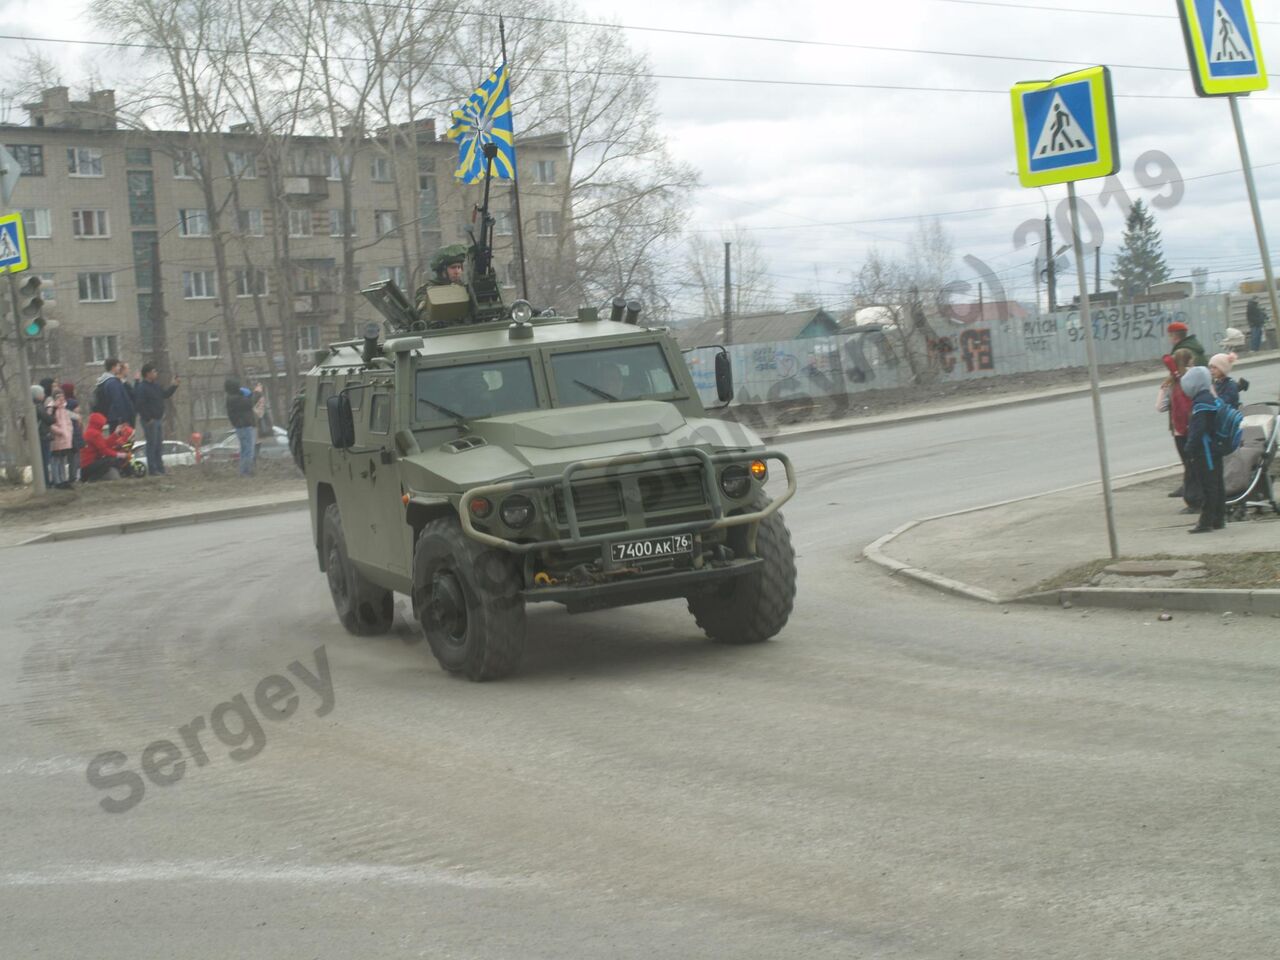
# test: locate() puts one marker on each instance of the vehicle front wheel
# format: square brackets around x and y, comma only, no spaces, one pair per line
[754,607]
[364,608]
[467,598]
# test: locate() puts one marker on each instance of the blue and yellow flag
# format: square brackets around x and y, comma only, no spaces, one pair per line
[485,118]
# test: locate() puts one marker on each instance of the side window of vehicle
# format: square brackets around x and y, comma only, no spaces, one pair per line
[323,393]
[380,413]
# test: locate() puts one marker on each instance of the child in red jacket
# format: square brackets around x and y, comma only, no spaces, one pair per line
[100,457]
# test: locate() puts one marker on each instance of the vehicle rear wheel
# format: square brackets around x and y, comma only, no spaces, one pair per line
[295,428]
[364,608]
[467,598]
[754,607]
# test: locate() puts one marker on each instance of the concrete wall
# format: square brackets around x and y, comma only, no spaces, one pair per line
[835,366]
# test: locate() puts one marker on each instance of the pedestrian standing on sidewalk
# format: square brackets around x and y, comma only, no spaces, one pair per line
[43,420]
[60,437]
[77,434]
[1228,390]
[1198,385]
[1178,406]
[1256,317]
[110,398]
[240,413]
[150,398]
[1184,340]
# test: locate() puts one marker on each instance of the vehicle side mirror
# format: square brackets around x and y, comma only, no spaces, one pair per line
[342,422]
[724,377]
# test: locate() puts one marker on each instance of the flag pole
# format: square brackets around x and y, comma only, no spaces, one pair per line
[515,180]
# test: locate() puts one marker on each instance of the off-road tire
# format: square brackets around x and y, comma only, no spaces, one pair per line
[296,411]
[487,641]
[364,608]
[754,607]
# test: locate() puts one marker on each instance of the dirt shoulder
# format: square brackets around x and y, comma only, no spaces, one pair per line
[207,485]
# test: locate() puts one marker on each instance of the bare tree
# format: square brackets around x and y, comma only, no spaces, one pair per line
[751,286]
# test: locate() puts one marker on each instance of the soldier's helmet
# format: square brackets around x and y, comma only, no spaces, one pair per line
[454,253]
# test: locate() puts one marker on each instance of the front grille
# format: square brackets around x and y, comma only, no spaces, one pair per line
[672,490]
[592,500]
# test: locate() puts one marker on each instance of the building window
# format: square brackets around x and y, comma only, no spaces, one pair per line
[248,283]
[186,165]
[251,342]
[44,352]
[313,276]
[84,161]
[142,241]
[300,223]
[502,223]
[544,171]
[96,288]
[97,349]
[251,223]
[510,273]
[142,197]
[335,224]
[337,166]
[380,169]
[203,344]
[309,337]
[193,223]
[30,157]
[198,285]
[242,164]
[87,224]
[37,223]
[48,290]
[137,156]
[548,223]
[384,223]
[395,274]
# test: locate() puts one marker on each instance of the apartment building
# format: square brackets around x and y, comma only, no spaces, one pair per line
[99,203]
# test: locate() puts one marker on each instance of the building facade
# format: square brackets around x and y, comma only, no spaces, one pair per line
[262,246]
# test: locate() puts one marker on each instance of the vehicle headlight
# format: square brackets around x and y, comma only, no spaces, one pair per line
[517,511]
[735,481]
[521,311]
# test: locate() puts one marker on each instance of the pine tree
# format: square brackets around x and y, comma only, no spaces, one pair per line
[1140,263]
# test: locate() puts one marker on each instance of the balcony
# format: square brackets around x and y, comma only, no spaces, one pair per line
[306,304]
[306,188]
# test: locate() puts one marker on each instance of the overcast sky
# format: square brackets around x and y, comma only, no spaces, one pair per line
[819,175]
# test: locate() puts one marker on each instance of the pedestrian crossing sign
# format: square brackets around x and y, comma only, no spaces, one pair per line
[13,243]
[1065,128]
[1223,47]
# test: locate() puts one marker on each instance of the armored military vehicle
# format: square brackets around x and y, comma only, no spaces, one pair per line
[477,458]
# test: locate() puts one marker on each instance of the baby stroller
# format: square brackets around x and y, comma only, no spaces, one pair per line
[1248,473]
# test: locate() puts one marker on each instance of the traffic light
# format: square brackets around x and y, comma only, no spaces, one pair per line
[31,307]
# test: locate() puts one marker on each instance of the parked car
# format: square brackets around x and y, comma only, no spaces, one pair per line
[227,448]
[174,453]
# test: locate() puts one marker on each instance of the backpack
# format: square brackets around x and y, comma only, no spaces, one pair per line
[1227,429]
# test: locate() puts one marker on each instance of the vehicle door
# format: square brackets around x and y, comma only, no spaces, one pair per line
[376,477]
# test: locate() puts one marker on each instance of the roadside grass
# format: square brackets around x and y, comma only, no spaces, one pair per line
[1239,571]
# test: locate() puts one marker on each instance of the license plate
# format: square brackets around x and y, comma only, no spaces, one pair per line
[652,548]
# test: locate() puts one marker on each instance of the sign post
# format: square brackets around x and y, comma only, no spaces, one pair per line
[1065,131]
[13,258]
[1226,61]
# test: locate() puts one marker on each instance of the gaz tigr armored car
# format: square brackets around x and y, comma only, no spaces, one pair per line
[488,464]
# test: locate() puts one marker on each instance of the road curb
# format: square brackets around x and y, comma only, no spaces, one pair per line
[1258,602]
[942,413]
[159,523]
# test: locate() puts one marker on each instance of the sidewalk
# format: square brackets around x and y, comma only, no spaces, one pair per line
[1001,553]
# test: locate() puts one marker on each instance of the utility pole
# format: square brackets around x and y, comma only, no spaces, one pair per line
[728,310]
[1097,270]
[982,310]
[1050,268]
[29,421]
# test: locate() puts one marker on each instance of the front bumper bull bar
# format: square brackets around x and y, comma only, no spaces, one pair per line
[681,455]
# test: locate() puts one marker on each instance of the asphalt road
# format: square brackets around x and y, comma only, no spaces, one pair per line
[900,774]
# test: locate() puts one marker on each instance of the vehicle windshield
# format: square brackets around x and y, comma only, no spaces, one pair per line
[636,372]
[475,390]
